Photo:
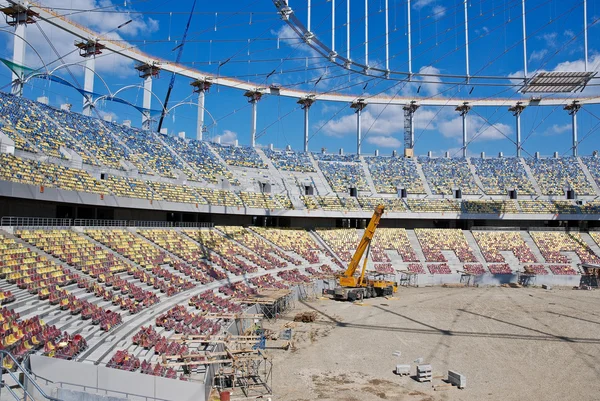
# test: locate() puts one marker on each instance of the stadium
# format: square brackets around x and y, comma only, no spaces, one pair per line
[175,224]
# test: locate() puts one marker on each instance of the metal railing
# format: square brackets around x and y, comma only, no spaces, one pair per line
[19,368]
[56,222]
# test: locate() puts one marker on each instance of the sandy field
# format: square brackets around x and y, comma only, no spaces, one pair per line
[510,343]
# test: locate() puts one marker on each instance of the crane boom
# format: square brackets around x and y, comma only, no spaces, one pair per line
[348,279]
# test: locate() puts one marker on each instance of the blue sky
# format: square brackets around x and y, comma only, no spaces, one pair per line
[257,42]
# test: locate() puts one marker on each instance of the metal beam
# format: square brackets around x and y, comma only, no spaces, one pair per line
[128,51]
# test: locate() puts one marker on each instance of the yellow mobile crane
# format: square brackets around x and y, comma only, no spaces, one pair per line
[376,284]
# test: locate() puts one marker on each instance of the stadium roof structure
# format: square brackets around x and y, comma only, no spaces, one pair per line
[558,82]
[52,17]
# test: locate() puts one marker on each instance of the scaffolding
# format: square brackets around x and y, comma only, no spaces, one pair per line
[237,362]
[527,277]
[271,302]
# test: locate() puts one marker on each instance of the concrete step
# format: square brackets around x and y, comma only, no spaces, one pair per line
[587,174]
[589,241]
[416,245]
[474,246]
[423,179]
[365,168]
[532,246]
[531,177]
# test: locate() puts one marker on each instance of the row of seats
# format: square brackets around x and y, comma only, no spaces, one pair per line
[433,241]
[290,161]
[198,155]
[446,174]
[492,242]
[393,173]
[341,176]
[239,156]
[552,244]
[499,175]
[185,248]
[554,175]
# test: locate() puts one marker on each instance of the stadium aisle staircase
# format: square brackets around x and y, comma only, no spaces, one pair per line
[533,246]
[536,186]
[475,176]
[422,177]
[365,168]
[474,246]
[416,245]
[590,242]
[587,174]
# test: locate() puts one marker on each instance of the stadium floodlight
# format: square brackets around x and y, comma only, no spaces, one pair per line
[558,82]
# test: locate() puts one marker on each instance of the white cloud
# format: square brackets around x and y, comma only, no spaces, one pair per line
[557,129]
[227,137]
[549,38]
[384,141]
[438,11]
[538,55]
[420,4]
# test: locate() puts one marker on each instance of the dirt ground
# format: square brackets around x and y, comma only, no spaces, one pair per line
[510,343]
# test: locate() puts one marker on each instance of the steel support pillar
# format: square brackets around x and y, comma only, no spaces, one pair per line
[358,105]
[305,104]
[201,87]
[18,58]
[409,126]
[463,110]
[89,50]
[147,72]
[517,110]
[147,105]
[253,97]
[572,109]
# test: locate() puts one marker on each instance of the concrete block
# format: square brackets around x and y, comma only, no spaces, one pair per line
[402,370]
[457,379]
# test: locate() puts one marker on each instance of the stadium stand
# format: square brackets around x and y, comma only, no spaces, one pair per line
[220,197]
[290,161]
[92,135]
[490,206]
[259,200]
[129,187]
[433,241]
[201,159]
[492,242]
[499,175]
[239,156]
[390,204]
[25,118]
[548,207]
[391,173]
[292,240]
[100,264]
[393,239]
[342,176]
[551,244]
[445,174]
[184,248]
[433,205]
[342,241]
[554,175]
[149,150]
